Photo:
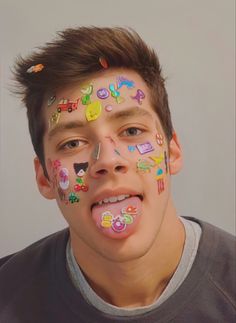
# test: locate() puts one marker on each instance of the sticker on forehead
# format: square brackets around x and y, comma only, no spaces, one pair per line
[93,111]
[115,94]
[51,100]
[87,91]
[103,93]
[121,80]
[80,168]
[67,105]
[139,96]
[108,108]
[145,147]
[54,119]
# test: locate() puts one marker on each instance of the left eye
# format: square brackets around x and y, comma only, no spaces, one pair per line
[132,131]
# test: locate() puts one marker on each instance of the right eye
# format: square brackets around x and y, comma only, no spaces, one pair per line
[72,144]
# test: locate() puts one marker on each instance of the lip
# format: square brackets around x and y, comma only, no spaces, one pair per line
[115,192]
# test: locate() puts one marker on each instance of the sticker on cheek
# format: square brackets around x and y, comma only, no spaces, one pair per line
[160,180]
[131,148]
[145,147]
[56,164]
[160,139]
[157,159]
[139,96]
[166,161]
[144,166]
[64,178]
[74,198]
[80,168]
[61,194]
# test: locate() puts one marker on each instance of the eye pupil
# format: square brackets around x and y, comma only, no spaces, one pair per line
[132,131]
[74,144]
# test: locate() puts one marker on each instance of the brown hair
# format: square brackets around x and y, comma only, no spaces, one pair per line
[73,57]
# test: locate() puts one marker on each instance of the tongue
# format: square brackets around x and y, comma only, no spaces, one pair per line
[119,216]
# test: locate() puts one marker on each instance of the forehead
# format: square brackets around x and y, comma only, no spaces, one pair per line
[105,78]
[128,83]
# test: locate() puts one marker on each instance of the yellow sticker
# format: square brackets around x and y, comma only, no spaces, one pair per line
[106,224]
[54,119]
[93,110]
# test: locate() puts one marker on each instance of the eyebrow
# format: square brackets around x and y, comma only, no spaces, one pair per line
[118,115]
[130,112]
[66,126]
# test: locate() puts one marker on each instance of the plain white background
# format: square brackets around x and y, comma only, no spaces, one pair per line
[195,43]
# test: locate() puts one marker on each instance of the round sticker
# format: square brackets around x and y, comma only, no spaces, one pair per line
[103,93]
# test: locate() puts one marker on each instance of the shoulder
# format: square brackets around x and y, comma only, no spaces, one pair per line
[32,252]
[21,269]
[217,254]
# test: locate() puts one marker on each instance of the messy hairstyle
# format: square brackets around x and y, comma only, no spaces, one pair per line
[72,58]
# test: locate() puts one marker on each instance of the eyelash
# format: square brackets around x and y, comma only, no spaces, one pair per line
[65,145]
[136,128]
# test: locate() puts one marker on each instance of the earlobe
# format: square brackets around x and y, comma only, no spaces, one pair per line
[175,155]
[44,185]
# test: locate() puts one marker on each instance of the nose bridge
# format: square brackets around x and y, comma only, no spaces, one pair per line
[106,158]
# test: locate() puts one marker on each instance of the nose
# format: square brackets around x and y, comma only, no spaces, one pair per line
[107,160]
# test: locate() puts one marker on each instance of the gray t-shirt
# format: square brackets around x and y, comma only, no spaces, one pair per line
[192,234]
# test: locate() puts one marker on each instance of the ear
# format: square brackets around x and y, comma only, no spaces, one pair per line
[175,155]
[44,185]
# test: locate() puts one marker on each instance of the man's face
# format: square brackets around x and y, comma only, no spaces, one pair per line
[107,160]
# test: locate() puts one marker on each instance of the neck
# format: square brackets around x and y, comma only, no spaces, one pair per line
[136,282]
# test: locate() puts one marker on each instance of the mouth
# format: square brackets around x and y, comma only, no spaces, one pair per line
[114,199]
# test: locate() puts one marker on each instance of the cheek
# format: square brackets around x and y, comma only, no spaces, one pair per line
[150,160]
[69,181]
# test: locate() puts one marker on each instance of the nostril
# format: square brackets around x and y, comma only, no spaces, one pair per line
[102,171]
[120,169]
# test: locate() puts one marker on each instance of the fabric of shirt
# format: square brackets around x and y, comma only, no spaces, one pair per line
[192,237]
[35,286]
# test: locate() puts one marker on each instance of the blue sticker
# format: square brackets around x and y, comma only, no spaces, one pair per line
[121,80]
[131,148]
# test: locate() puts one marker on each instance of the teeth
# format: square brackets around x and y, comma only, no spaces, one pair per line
[114,199]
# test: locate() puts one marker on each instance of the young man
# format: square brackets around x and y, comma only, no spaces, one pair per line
[101,128]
